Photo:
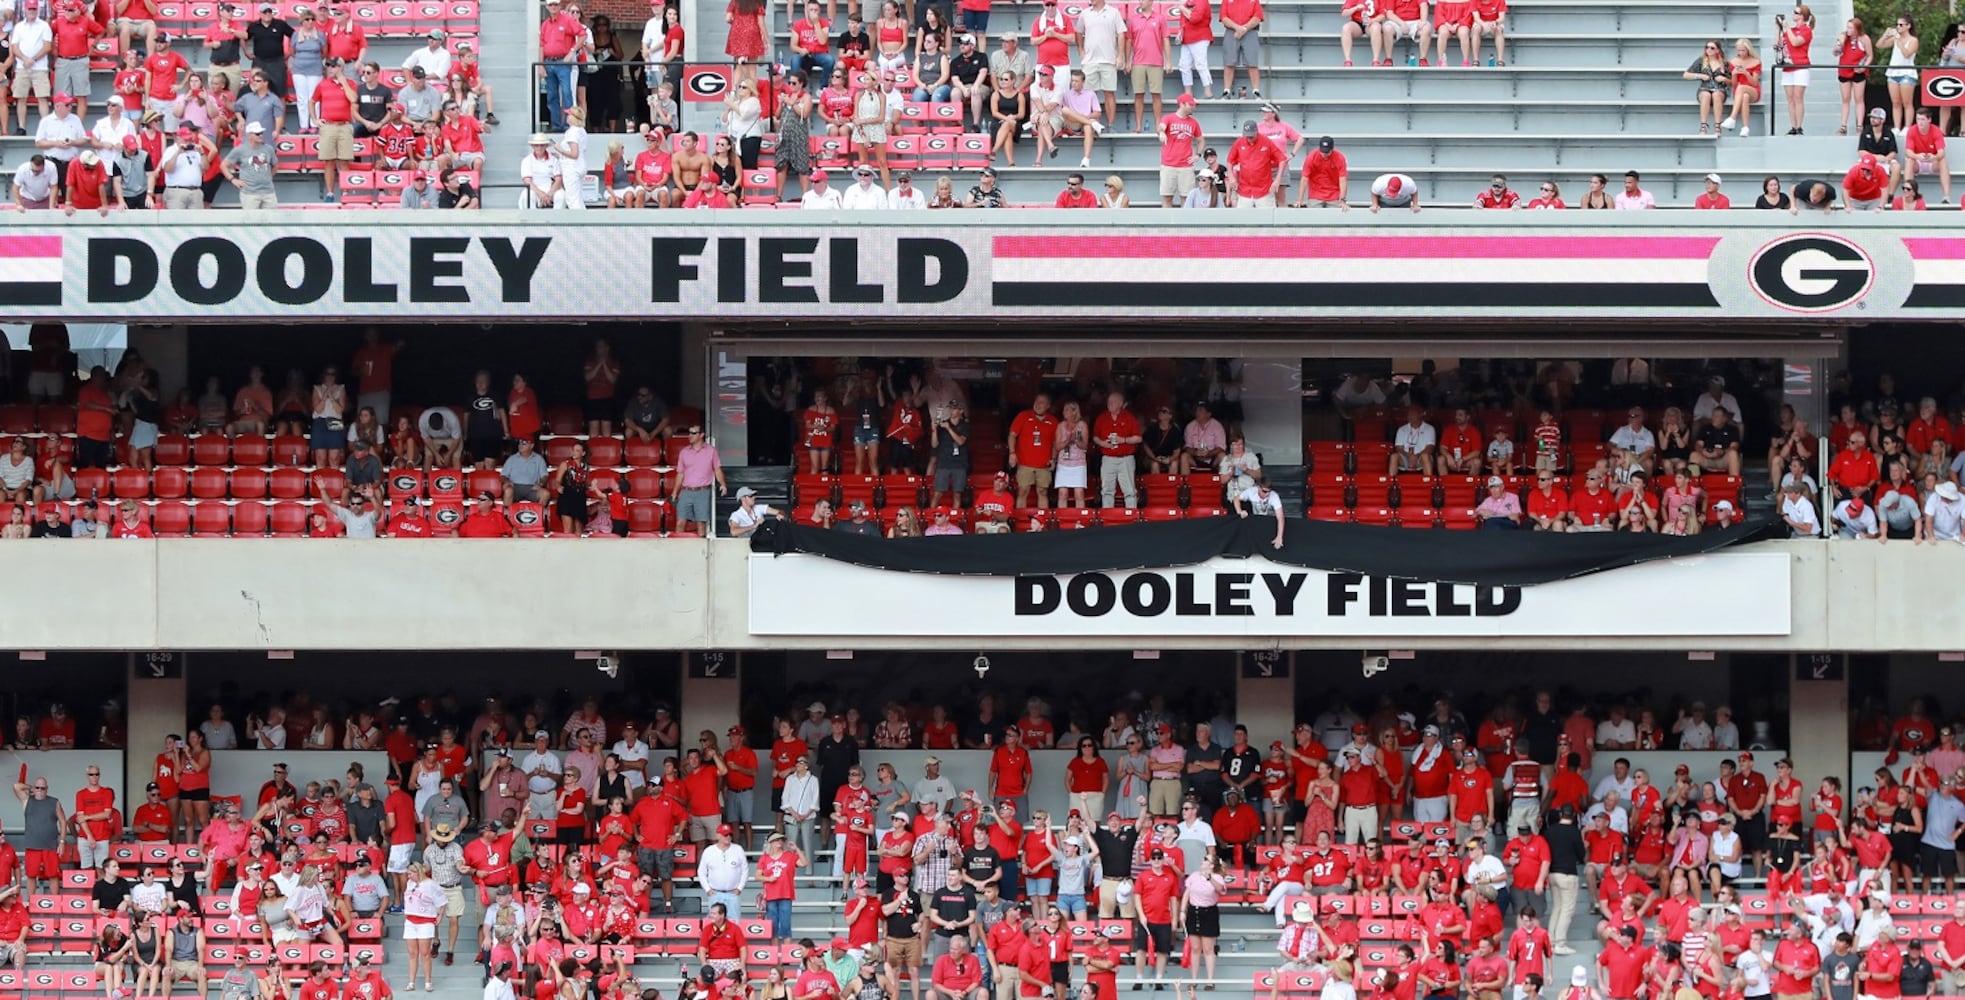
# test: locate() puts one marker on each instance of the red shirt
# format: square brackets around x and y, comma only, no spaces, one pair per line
[153,813]
[1323,174]
[740,756]
[958,976]
[124,529]
[1797,53]
[346,43]
[368,986]
[1801,955]
[1327,869]
[465,135]
[777,872]
[1358,787]
[1853,468]
[784,754]
[1885,963]
[1472,790]
[701,785]
[1745,791]
[1123,426]
[1155,892]
[1552,503]
[557,35]
[722,941]
[1864,181]
[1199,25]
[94,800]
[484,524]
[1712,200]
[1255,161]
[85,183]
[1034,438]
[336,98]
[401,806]
[656,817]
[74,37]
[164,67]
[318,989]
[1011,767]
[1924,139]
[1083,775]
[1183,131]
[811,36]
[1530,953]
[1624,969]
[1592,508]
[652,167]
[1035,963]
[1488,199]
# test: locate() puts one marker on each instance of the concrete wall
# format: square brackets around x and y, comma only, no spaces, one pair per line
[278,594]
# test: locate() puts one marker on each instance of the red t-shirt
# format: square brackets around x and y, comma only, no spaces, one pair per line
[777,872]
[1183,131]
[1471,792]
[465,134]
[1256,161]
[1123,426]
[402,806]
[784,754]
[701,784]
[1035,438]
[1864,181]
[1011,766]
[1797,53]
[1714,200]
[1488,199]
[85,183]
[337,104]
[1086,775]
[1155,892]
[1199,25]
[73,38]
[1076,198]
[164,67]
[1323,173]
[1624,968]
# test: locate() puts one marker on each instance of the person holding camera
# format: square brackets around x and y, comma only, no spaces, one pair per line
[949,438]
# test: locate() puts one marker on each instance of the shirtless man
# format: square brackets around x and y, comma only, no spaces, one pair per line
[686,166]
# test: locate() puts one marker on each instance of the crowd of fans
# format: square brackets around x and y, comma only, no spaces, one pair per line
[1485,827]
[175,134]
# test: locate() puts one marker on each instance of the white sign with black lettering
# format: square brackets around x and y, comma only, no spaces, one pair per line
[1254,598]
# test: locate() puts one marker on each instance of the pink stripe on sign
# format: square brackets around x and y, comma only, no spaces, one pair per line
[1937,248]
[30,246]
[1606,248]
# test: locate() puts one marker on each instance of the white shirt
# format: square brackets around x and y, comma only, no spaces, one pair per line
[109,132]
[722,869]
[638,753]
[1488,870]
[1695,736]
[1638,441]
[538,171]
[863,196]
[1197,831]
[1258,503]
[16,475]
[149,898]
[741,518]
[1851,524]
[1619,820]
[1408,189]
[548,760]
[940,791]
[1609,732]
[1099,29]
[1800,511]
[36,185]
[909,197]
[1414,440]
[1725,843]
[54,128]
[29,36]
[499,989]
[1753,969]
[435,62]
[1945,516]
[820,198]
[1704,407]
[1611,783]
[801,794]
[573,169]
[187,169]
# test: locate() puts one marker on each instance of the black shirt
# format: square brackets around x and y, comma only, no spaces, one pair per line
[965,66]
[268,42]
[1115,851]
[1915,977]
[1714,438]
[1804,189]
[371,105]
[1542,730]
[979,863]
[953,905]
[900,923]
[1882,145]
[109,894]
[948,454]
[464,190]
[1239,767]
[835,757]
[1778,201]
[1162,442]
[365,821]
[851,527]
[1566,851]
[481,419]
[227,53]
[1205,779]
[43,529]
[851,44]
[991,198]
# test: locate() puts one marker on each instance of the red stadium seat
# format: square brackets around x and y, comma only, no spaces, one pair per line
[528,520]
[328,483]
[211,520]
[211,449]
[405,484]
[252,449]
[173,449]
[55,419]
[1156,514]
[639,452]
[646,518]
[1335,513]
[478,482]
[559,449]
[1161,490]
[564,419]
[17,418]
[446,484]
[248,483]
[1418,517]
[289,520]
[290,449]
[130,484]
[606,452]
[89,482]
[287,484]
[644,484]
[170,483]
[250,518]
[171,518]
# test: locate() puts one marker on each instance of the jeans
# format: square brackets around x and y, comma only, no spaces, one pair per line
[559,92]
[976,22]
[938,95]
[778,911]
[820,61]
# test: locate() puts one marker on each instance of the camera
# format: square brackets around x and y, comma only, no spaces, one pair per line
[1375,664]
[609,664]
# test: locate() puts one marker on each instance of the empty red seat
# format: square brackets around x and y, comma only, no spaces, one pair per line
[639,452]
[130,484]
[1418,517]
[248,483]
[904,490]
[810,488]
[644,484]
[211,520]
[646,518]
[1153,514]
[405,484]
[89,482]
[289,520]
[564,418]
[559,449]
[211,449]
[172,518]
[446,484]
[249,518]
[251,449]
[17,418]
[528,519]
[607,451]
[55,419]
[478,482]
[170,482]
[173,449]
[672,449]
[1160,490]
[288,449]
[287,484]
[209,484]
[1335,513]
[327,483]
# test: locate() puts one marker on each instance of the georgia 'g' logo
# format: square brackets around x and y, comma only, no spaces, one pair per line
[1811,273]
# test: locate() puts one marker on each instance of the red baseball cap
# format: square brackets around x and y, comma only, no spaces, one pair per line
[723,829]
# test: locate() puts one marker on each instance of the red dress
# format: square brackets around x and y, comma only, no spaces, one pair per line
[746,39]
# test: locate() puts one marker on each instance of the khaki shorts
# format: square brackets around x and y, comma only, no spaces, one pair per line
[1028,477]
[1101,76]
[1148,77]
[704,827]
[256,202]
[1176,182]
[453,897]
[36,79]
[194,971]
[904,951]
[336,142]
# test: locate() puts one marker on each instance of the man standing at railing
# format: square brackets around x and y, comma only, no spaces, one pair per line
[559,33]
[334,115]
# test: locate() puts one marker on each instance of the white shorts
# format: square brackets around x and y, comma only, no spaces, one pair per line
[399,855]
[1794,78]
[1396,29]
[1430,810]
[419,932]
[1923,166]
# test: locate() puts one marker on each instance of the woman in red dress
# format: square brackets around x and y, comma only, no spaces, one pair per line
[746,41]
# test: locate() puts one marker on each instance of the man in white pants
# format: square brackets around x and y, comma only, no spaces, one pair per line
[1357,794]
[1118,434]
